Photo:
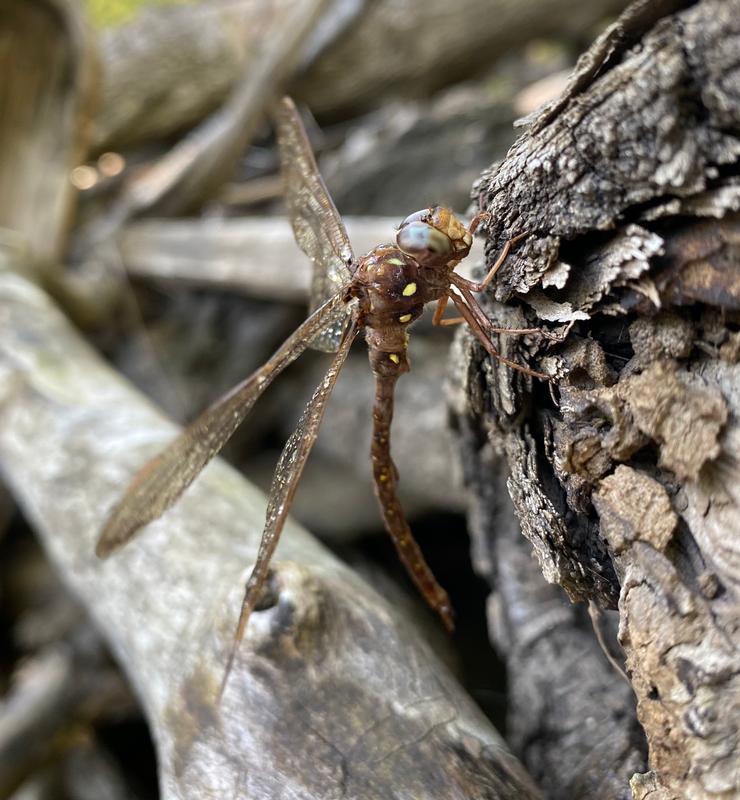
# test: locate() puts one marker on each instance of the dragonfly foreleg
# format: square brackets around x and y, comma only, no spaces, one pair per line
[440,310]
[475,286]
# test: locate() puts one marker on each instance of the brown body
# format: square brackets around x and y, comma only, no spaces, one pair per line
[383,292]
[392,289]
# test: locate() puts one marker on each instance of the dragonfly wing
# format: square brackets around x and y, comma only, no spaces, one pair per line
[317,226]
[285,482]
[157,486]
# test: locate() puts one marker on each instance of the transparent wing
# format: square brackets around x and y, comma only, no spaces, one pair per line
[160,482]
[284,484]
[317,226]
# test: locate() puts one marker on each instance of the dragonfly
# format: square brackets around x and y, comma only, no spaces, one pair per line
[382,293]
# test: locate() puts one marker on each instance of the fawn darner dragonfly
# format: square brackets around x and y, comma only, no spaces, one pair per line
[383,293]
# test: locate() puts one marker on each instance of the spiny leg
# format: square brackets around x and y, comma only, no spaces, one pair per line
[477,219]
[284,484]
[440,310]
[467,287]
[486,324]
[386,478]
[482,319]
[480,286]
[477,329]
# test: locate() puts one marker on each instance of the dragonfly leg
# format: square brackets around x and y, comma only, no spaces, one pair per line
[486,323]
[477,329]
[481,285]
[482,216]
[440,310]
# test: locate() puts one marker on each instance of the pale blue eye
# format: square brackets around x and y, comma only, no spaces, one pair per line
[421,238]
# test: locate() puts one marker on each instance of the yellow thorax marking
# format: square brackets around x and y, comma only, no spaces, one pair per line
[397,261]
[409,289]
[394,358]
[404,318]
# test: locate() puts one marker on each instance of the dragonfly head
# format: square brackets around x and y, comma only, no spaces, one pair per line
[434,237]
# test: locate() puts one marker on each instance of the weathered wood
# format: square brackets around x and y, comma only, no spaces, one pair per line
[197,165]
[256,256]
[570,714]
[172,66]
[397,159]
[332,693]
[46,68]
[62,686]
[623,475]
[409,49]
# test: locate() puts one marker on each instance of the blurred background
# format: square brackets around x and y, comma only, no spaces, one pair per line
[167,246]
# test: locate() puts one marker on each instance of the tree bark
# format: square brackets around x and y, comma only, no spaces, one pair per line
[623,472]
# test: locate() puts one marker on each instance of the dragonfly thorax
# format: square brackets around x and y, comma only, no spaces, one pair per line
[391,287]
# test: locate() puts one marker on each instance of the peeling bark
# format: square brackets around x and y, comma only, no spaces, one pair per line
[623,472]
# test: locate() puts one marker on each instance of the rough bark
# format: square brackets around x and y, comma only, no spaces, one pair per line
[624,473]
[332,695]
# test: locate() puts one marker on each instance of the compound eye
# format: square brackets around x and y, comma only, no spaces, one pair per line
[417,216]
[419,239]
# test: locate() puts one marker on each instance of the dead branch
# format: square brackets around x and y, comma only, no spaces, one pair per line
[332,693]
[171,67]
[46,61]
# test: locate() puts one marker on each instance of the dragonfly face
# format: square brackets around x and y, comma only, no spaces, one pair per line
[435,237]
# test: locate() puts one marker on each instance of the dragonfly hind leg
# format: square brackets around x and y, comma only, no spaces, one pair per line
[478,329]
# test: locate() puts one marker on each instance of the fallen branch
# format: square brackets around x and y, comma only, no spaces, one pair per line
[332,693]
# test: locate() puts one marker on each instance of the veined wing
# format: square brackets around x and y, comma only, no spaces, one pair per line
[159,483]
[317,226]
[284,484]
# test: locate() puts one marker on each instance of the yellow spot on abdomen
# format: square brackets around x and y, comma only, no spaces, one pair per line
[404,318]
[394,358]
[409,289]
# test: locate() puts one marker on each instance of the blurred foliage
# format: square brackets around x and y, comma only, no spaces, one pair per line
[105,13]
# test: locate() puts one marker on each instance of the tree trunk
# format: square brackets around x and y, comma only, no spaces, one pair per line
[623,471]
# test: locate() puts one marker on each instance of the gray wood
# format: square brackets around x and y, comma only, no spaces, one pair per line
[332,695]
[256,256]
[199,163]
[623,476]
[172,66]
[46,68]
